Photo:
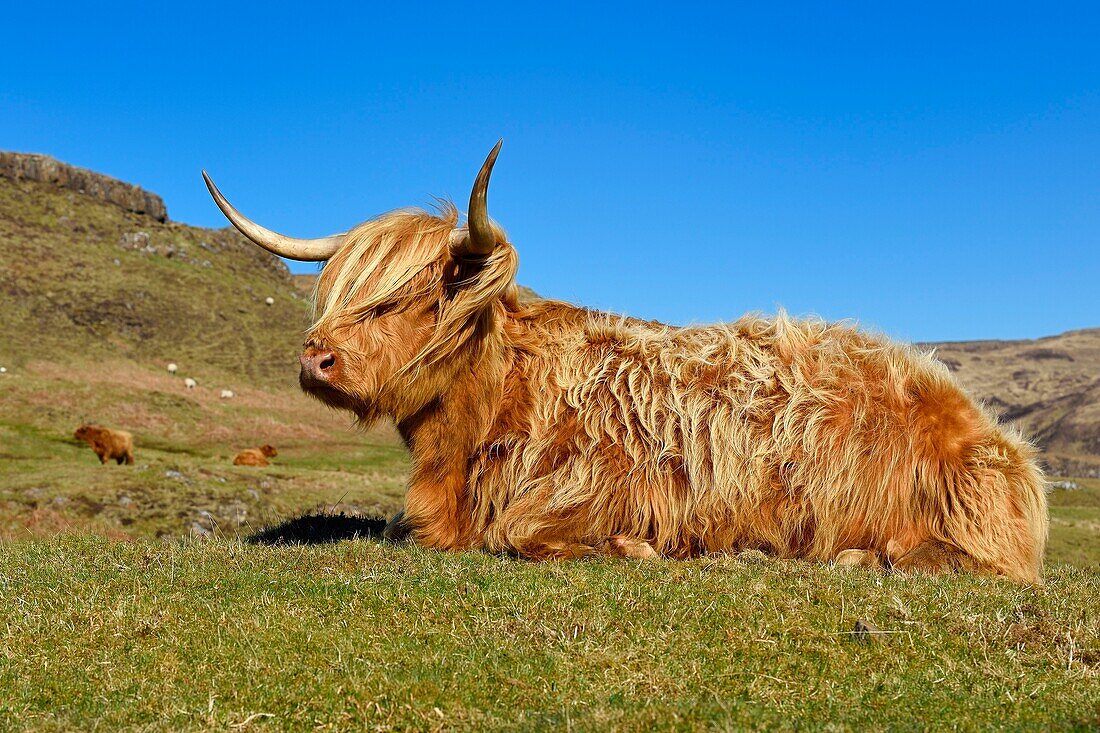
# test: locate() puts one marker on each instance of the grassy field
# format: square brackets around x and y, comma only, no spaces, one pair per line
[183,482]
[359,635]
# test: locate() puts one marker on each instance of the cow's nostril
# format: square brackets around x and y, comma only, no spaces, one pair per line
[328,362]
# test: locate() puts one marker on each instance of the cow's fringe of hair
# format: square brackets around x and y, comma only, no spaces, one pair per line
[378,261]
[378,267]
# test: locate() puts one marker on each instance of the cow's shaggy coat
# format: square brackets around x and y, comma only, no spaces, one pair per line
[117,445]
[552,431]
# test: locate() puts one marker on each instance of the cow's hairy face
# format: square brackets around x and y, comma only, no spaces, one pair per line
[87,432]
[399,314]
[377,302]
[367,355]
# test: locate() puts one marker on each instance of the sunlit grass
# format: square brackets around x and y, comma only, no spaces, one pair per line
[366,636]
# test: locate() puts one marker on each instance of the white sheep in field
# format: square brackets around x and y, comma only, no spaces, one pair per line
[172,368]
[227,394]
[190,383]
[269,300]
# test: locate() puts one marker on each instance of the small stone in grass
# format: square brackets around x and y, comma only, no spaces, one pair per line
[866,631]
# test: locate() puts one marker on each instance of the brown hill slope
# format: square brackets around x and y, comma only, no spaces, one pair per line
[1049,387]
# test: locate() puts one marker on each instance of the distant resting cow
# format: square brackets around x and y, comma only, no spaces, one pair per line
[108,444]
[255,456]
[552,431]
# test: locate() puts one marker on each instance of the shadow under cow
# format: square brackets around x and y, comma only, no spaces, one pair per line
[320,529]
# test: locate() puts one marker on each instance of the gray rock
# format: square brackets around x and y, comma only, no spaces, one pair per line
[135,241]
[865,631]
[43,168]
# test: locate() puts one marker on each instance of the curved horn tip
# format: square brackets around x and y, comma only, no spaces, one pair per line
[481,239]
[487,166]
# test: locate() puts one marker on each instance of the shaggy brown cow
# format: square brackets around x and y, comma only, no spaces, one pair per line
[107,443]
[553,431]
[255,456]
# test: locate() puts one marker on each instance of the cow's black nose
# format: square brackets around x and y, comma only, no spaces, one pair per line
[318,364]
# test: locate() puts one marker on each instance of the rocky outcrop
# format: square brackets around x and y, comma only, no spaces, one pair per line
[29,166]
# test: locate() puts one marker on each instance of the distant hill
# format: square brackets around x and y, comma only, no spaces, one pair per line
[1050,387]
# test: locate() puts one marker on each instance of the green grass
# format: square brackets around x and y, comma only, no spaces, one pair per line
[178,493]
[140,636]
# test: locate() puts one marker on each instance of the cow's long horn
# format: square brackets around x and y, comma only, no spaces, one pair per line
[306,250]
[481,240]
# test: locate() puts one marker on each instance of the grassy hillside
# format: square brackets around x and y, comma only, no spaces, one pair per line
[97,300]
[84,280]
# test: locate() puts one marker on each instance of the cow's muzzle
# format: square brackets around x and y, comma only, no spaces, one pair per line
[319,365]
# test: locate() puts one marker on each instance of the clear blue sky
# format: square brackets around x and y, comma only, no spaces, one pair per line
[932,171]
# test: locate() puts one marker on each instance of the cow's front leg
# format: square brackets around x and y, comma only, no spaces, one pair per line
[436,514]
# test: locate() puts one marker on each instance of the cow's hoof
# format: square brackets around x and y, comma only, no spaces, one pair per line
[619,546]
[858,559]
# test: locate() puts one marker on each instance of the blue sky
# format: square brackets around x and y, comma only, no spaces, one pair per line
[931,171]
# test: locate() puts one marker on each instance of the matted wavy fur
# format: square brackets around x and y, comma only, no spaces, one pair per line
[549,430]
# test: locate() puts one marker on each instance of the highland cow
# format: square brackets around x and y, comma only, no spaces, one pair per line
[552,431]
[255,456]
[108,444]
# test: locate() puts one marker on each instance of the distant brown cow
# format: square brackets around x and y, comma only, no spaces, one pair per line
[107,443]
[255,456]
